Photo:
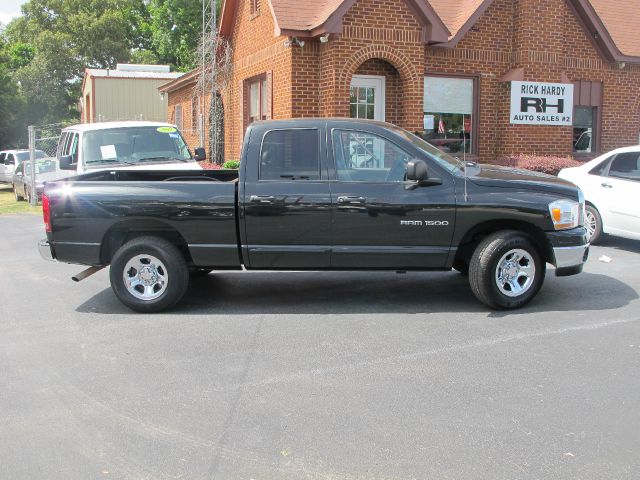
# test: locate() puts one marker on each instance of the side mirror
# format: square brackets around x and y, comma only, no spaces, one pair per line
[200,154]
[417,172]
[66,163]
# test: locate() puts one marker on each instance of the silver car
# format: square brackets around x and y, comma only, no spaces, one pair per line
[46,171]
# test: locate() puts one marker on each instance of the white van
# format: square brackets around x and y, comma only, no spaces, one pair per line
[10,159]
[123,145]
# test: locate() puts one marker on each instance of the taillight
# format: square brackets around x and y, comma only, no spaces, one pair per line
[46,213]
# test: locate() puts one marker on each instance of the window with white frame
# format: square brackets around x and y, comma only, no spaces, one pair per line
[448,113]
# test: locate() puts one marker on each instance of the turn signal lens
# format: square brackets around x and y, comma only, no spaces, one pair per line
[565,214]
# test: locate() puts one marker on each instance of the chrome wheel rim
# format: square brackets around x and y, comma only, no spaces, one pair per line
[515,272]
[591,223]
[145,277]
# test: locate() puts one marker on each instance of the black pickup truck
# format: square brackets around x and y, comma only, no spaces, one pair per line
[319,194]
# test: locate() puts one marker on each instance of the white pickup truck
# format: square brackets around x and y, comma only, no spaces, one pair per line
[124,145]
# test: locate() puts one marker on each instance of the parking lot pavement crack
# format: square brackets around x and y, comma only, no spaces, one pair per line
[483,343]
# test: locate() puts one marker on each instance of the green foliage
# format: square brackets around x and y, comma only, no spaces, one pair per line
[44,52]
[20,54]
[175,27]
[231,164]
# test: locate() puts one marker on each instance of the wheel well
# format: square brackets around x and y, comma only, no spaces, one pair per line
[123,232]
[475,235]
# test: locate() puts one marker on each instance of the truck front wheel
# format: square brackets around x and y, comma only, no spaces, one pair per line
[506,270]
[149,274]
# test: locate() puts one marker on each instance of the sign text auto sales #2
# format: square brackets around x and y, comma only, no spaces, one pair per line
[535,103]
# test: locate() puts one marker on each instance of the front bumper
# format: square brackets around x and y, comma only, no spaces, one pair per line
[570,250]
[46,251]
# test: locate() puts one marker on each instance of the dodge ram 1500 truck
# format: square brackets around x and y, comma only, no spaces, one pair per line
[319,194]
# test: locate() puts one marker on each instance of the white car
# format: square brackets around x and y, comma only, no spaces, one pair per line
[611,186]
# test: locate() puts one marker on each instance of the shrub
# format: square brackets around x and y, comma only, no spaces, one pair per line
[538,163]
[209,166]
[231,164]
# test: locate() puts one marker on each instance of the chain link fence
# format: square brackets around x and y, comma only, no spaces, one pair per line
[41,165]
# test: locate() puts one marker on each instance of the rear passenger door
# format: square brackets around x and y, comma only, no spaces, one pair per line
[285,199]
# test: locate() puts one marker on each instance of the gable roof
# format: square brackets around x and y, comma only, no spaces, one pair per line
[620,19]
[613,21]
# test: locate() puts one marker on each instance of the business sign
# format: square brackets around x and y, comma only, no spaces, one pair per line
[535,103]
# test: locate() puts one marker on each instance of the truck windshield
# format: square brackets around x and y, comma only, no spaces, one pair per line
[444,159]
[134,145]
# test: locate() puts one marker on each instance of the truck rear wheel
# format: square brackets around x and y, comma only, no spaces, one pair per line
[506,270]
[149,274]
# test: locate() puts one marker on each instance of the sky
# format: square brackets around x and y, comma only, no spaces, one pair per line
[9,9]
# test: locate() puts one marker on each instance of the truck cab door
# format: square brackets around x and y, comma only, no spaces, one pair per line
[379,219]
[285,199]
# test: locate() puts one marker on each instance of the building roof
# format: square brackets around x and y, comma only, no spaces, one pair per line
[457,13]
[297,15]
[614,20]
[184,80]
[107,73]
[621,19]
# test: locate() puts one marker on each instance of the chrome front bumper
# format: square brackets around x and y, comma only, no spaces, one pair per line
[45,250]
[570,260]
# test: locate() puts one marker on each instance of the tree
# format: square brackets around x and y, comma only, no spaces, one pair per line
[11,103]
[175,27]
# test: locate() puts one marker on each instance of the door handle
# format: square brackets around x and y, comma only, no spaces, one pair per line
[606,185]
[266,199]
[351,200]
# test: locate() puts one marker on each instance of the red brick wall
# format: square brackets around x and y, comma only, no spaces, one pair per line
[255,51]
[548,41]
[183,96]
[384,37]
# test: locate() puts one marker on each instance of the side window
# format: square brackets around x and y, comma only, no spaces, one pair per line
[600,168]
[10,160]
[20,169]
[73,148]
[365,157]
[61,143]
[2,158]
[290,154]
[626,166]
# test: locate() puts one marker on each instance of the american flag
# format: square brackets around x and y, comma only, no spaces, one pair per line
[441,126]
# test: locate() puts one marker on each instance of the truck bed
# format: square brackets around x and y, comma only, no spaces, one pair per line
[97,211]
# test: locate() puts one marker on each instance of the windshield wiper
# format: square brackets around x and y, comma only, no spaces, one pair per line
[109,160]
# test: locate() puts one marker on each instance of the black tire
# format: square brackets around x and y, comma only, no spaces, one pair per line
[483,270]
[17,196]
[171,260]
[597,227]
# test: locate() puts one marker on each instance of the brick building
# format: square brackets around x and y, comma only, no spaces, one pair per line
[441,68]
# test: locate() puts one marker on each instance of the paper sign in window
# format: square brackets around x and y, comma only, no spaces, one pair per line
[108,152]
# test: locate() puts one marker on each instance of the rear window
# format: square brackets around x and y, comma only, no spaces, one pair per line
[292,154]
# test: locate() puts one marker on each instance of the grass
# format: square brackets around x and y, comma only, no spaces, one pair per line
[8,204]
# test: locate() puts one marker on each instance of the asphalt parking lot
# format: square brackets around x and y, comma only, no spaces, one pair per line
[317,376]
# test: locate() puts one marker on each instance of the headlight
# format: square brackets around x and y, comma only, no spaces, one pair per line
[566,214]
